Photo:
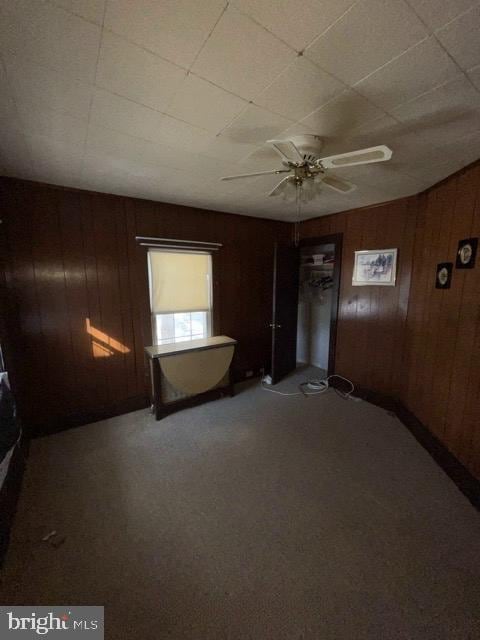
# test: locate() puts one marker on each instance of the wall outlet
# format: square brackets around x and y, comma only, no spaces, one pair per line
[248,374]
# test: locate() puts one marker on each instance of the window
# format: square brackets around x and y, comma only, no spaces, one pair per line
[180,327]
[180,295]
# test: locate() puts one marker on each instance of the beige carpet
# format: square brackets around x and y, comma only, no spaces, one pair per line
[252,517]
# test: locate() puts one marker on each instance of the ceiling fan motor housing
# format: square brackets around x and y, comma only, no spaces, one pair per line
[309,145]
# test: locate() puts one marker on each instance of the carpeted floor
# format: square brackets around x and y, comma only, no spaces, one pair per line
[254,517]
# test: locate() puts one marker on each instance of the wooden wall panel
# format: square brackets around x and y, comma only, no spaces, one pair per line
[370,328]
[77,304]
[443,326]
[21,302]
[413,341]
[78,280]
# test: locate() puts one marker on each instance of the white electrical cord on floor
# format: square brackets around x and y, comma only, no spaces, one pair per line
[316,387]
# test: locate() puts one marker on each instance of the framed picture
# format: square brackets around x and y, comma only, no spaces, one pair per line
[466,253]
[375,267]
[444,275]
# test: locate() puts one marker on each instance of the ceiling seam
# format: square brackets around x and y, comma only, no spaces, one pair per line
[420,95]
[462,71]
[54,5]
[293,121]
[347,89]
[459,15]
[301,52]
[93,87]
[385,64]
[233,120]
[277,113]
[167,60]
[253,101]
[165,113]
[249,100]
[320,35]
[146,49]
[434,35]
[209,35]
[259,24]
[202,46]
[150,108]
[250,103]
[218,86]
[152,142]
[188,71]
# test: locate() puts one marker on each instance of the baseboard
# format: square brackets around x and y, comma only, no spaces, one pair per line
[461,476]
[62,423]
[455,470]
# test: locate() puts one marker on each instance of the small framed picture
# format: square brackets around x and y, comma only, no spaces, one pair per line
[375,267]
[466,253]
[444,275]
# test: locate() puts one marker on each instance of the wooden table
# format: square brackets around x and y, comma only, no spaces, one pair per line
[167,358]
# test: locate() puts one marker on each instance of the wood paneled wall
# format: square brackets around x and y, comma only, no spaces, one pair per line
[79,301]
[442,357]
[370,325]
[413,341]
[72,257]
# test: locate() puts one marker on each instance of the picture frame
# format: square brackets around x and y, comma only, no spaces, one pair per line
[375,267]
[443,277]
[466,253]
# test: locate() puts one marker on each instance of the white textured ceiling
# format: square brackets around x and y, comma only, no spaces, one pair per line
[159,98]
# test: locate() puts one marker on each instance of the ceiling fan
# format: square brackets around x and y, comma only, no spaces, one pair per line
[308,172]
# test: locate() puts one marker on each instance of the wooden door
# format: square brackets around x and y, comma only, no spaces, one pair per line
[284,316]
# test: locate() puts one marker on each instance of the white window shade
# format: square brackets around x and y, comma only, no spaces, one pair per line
[179,281]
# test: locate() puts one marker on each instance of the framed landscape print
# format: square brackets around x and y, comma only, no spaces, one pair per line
[375,267]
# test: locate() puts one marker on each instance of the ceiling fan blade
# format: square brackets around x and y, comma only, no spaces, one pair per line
[253,175]
[362,156]
[287,150]
[343,186]
[281,186]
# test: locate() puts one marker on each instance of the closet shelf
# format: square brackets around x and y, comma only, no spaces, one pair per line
[328,265]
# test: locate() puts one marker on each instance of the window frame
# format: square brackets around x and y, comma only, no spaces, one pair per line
[174,339]
[209,312]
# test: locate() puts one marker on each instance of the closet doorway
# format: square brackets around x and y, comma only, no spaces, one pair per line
[319,285]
